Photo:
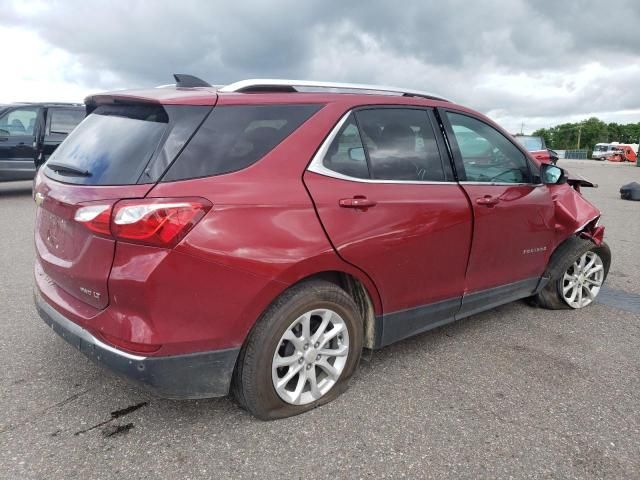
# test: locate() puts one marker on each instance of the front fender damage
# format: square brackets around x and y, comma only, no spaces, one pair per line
[575,215]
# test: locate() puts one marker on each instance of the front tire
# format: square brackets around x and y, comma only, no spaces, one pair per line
[578,270]
[301,353]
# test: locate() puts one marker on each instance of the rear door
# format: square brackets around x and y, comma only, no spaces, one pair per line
[390,207]
[60,122]
[17,153]
[513,212]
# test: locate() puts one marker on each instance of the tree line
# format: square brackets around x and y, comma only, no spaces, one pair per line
[586,134]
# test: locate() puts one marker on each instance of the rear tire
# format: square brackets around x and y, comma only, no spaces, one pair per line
[315,331]
[567,275]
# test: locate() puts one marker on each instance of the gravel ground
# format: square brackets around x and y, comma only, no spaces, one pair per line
[515,392]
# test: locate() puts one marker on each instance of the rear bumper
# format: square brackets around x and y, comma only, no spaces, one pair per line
[196,375]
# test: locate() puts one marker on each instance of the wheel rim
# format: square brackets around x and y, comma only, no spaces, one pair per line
[310,356]
[581,283]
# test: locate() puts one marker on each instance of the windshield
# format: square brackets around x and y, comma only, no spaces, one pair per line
[531,143]
[601,148]
[112,146]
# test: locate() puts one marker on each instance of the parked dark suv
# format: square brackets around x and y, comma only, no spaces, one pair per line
[256,237]
[30,132]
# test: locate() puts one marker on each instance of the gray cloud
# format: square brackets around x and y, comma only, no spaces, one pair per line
[478,53]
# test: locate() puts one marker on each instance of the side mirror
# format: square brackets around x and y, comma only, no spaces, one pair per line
[357,154]
[552,175]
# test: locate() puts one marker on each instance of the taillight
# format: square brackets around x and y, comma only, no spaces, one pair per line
[96,218]
[160,222]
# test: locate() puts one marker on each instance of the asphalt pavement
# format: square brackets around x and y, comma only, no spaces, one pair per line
[516,392]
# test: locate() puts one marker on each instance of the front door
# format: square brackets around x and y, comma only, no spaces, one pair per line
[390,207]
[513,213]
[17,153]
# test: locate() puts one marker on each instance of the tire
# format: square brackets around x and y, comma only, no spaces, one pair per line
[561,262]
[255,377]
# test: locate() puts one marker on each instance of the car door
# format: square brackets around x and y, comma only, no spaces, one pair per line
[17,152]
[60,122]
[513,213]
[391,207]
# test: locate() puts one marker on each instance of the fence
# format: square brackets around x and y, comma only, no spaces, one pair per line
[574,154]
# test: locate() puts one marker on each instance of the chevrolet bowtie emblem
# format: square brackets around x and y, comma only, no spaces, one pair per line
[39,198]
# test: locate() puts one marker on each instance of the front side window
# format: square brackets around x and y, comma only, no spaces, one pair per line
[400,144]
[18,122]
[487,155]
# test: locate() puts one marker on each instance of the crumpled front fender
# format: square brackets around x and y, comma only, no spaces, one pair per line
[575,214]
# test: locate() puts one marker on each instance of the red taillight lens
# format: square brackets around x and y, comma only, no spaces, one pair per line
[162,222]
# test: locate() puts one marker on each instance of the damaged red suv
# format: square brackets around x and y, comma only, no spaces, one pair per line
[255,238]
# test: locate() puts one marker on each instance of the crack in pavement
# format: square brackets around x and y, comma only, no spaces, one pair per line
[38,414]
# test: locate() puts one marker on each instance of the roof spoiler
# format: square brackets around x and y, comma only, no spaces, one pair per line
[189,81]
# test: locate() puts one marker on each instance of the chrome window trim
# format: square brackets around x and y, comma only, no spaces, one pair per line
[317,165]
[334,87]
[500,184]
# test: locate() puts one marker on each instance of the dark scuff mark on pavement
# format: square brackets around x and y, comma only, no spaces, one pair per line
[116,414]
[113,430]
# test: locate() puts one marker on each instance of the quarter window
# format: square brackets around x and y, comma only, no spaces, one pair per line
[487,155]
[234,137]
[400,144]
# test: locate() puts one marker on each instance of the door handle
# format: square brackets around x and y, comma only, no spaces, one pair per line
[487,201]
[358,201]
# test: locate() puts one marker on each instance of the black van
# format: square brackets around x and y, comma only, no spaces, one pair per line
[30,132]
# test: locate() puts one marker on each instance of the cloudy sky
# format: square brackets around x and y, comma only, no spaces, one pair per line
[537,62]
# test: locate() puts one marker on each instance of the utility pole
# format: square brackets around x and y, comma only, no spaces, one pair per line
[579,132]
[522,128]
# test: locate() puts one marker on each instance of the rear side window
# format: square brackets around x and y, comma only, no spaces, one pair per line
[401,144]
[112,146]
[346,153]
[236,136]
[63,121]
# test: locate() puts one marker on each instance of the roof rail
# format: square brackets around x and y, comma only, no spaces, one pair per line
[280,85]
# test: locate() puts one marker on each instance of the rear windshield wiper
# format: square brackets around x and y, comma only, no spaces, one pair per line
[64,168]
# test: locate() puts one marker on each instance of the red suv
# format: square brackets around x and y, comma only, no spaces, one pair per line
[256,237]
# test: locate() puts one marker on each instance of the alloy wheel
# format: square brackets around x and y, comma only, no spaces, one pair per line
[581,283]
[310,356]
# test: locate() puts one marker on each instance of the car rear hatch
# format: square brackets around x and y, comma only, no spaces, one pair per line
[118,152]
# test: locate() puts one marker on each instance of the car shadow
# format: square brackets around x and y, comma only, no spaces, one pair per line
[101,388]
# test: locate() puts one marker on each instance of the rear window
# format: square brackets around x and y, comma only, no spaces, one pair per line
[236,136]
[530,143]
[112,146]
[64,120]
